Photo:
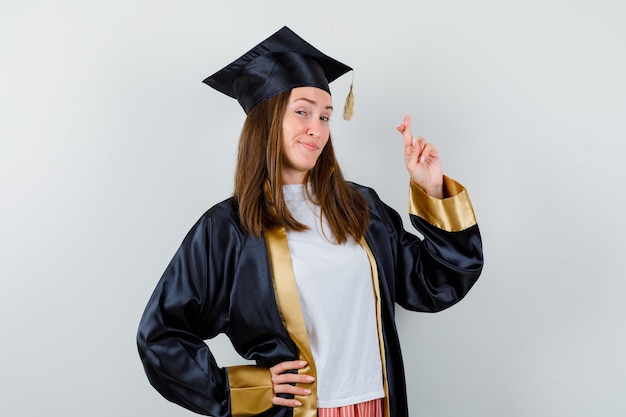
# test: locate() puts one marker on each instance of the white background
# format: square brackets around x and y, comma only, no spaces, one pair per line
[111,148]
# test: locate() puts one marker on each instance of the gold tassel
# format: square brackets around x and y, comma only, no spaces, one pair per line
[348,108]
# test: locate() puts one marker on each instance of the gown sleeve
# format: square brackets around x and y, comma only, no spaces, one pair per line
[434,273]
[189,305]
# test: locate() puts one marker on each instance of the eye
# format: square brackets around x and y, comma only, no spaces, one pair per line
[325,119]
[301,112]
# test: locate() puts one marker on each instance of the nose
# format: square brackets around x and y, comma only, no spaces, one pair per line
[314,127]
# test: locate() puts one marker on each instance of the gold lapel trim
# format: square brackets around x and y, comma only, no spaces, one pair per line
[379,324]
[291,313]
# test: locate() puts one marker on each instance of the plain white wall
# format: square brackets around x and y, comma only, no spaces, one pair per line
[111,148]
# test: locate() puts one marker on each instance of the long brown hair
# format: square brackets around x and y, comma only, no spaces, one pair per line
[259,182]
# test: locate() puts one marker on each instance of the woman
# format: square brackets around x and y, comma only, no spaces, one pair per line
[300,268]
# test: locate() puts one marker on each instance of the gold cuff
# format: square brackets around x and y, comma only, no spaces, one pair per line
[454,213]
[250,390]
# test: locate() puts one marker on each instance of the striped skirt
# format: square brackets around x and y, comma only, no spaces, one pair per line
[372,408]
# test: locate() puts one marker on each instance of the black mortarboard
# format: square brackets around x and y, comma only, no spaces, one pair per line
[281,62]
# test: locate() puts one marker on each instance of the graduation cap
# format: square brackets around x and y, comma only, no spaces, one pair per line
[279,63]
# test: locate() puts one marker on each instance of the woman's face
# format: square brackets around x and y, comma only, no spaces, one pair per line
[305,131]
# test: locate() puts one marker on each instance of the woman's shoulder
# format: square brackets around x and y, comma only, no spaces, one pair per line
[220,223]
[367,192]
[378,209]
[226,209]
[224,212]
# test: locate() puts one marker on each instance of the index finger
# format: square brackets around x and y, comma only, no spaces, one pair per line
[405,129]
[287,366]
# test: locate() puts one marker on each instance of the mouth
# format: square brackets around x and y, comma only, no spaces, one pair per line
[311,146]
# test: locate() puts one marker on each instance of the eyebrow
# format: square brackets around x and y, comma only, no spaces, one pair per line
[312,102]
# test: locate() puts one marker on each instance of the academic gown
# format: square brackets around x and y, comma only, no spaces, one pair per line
[223,280]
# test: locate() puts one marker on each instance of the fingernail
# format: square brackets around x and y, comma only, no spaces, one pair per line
[310,379]
[307,391]
[302,363]
[298,403]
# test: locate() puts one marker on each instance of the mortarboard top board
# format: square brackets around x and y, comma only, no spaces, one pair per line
[281,62]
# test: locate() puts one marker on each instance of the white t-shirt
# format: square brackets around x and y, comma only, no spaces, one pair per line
[337,298]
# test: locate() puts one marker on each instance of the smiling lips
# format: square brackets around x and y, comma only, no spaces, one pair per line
[311,146]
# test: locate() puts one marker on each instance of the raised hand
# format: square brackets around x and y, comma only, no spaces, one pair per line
[422,161]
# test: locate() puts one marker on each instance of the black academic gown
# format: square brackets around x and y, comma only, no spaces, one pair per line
[223,280]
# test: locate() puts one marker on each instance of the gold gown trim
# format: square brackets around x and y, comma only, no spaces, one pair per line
[454,213]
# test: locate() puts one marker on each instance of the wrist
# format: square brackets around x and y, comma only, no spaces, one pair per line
[436,192]
[433,191]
